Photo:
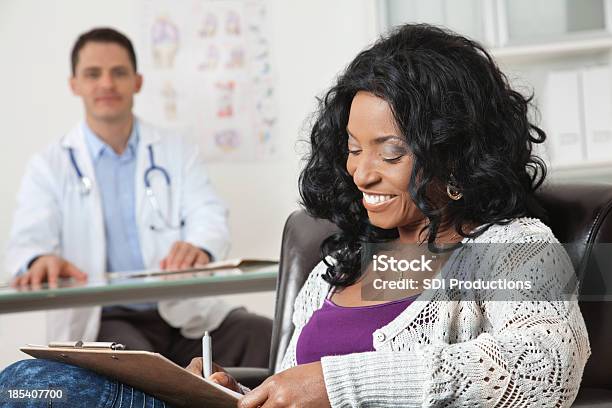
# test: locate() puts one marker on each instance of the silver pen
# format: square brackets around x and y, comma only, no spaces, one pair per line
[206,355]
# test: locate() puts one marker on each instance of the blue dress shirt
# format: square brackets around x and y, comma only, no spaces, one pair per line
[115,176]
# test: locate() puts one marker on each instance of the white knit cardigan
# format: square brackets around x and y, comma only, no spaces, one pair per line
[487,353]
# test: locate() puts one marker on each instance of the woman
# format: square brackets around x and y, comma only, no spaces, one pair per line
[423,140]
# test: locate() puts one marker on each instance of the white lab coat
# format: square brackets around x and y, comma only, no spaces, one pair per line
[53,216]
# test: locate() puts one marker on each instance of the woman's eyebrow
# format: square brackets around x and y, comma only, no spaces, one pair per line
[383,139]
[378,140]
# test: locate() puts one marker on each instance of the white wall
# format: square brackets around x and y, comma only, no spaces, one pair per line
[312,41]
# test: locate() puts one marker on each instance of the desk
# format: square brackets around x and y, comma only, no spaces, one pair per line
[144,289]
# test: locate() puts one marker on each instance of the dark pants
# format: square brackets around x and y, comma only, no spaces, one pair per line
[242,340]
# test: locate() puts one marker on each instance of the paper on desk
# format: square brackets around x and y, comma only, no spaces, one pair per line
[213,267]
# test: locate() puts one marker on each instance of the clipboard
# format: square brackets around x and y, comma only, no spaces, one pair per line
[149,372]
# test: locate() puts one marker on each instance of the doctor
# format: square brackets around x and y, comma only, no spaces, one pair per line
[116,194]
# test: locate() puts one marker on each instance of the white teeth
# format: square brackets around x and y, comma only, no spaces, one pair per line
[376,198]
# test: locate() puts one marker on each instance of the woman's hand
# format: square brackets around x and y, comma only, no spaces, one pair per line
[219,375]
[300,386]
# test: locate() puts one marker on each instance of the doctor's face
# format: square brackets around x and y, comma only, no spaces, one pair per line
[106,81]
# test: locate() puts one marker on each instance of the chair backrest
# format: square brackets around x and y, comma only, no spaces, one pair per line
[300,252]
[579,214]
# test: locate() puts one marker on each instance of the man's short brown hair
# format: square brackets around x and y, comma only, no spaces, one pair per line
[103,35]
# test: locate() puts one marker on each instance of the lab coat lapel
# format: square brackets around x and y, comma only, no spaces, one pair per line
[83,322]
[148,136]
[75,139]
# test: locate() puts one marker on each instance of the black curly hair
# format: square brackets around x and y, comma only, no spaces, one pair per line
[466,127]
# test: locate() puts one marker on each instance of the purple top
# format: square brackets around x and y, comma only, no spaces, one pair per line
[336,330]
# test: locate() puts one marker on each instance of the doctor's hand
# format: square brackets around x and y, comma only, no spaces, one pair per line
[183,255]
[219,375]
[49,268]
[300,386]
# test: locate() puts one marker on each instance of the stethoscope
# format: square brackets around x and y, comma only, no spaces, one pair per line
[86,186]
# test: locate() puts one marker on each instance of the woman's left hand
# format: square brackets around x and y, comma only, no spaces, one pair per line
[300,386]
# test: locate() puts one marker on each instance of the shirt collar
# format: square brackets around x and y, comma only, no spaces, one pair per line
[97,147]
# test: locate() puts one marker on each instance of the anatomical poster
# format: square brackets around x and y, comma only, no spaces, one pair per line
[207,73]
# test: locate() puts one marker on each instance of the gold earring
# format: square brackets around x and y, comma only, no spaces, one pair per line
[453,193]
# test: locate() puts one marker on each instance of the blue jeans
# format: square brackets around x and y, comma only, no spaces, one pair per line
[79,388]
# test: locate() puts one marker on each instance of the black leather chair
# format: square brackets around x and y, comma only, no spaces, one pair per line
[582,215]
[579,214]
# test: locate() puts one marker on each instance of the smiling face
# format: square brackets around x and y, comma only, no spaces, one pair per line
[380,163]
[106,81]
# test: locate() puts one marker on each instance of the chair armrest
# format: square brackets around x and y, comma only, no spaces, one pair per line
[249,376]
